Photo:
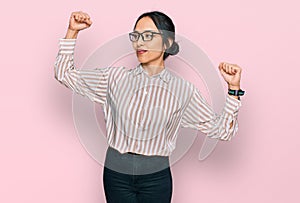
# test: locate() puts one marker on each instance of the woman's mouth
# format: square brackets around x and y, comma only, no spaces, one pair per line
[141,51]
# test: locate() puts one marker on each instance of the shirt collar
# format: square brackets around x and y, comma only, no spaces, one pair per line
[163,75]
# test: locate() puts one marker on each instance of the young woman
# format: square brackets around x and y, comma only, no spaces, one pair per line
[144,107]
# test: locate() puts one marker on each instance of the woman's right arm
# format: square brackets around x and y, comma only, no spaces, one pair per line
[91,83]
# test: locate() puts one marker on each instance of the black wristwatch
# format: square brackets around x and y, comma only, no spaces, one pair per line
[236,93]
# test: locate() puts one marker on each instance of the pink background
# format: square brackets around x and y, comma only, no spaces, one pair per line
[42,159]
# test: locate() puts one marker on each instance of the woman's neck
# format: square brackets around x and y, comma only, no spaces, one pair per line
[153,69]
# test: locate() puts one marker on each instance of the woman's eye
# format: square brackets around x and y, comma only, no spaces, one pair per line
[134,36]
[148,36]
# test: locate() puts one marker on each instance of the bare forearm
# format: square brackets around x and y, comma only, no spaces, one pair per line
[71,34]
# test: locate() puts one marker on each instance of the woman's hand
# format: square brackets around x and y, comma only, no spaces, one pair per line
[231,74]
[79,21]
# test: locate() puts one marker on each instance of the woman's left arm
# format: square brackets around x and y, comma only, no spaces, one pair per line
[199,114]
[232,75]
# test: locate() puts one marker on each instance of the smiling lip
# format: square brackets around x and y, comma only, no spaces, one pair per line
[141,51]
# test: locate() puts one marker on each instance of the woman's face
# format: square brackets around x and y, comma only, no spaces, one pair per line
[149,52]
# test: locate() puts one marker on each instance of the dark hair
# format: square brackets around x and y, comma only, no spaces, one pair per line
[165,25]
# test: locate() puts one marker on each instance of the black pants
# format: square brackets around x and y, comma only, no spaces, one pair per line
[132,178]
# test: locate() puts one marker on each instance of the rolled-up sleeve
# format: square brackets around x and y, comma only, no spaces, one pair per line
[199,115]
[91,83]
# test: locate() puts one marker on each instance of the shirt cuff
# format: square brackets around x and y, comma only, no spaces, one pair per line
[66,46]
[232,105]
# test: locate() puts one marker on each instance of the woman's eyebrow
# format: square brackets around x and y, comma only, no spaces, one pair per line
[145,31]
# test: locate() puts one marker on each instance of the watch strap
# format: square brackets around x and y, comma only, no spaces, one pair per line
[236,92]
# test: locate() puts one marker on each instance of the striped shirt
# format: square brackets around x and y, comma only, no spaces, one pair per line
[143,113]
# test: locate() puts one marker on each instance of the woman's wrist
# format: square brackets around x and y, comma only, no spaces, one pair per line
[71,34]
[235,91]
[234,87]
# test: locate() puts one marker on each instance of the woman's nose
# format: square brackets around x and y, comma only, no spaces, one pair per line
[140,41]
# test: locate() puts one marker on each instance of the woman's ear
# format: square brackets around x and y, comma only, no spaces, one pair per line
[170,44]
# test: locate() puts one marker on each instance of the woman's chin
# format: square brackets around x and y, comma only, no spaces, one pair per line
[142,60]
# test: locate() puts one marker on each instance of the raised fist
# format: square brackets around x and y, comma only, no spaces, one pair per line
[79,21]
[231,74]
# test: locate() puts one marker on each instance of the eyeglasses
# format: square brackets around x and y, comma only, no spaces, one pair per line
[146,35]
